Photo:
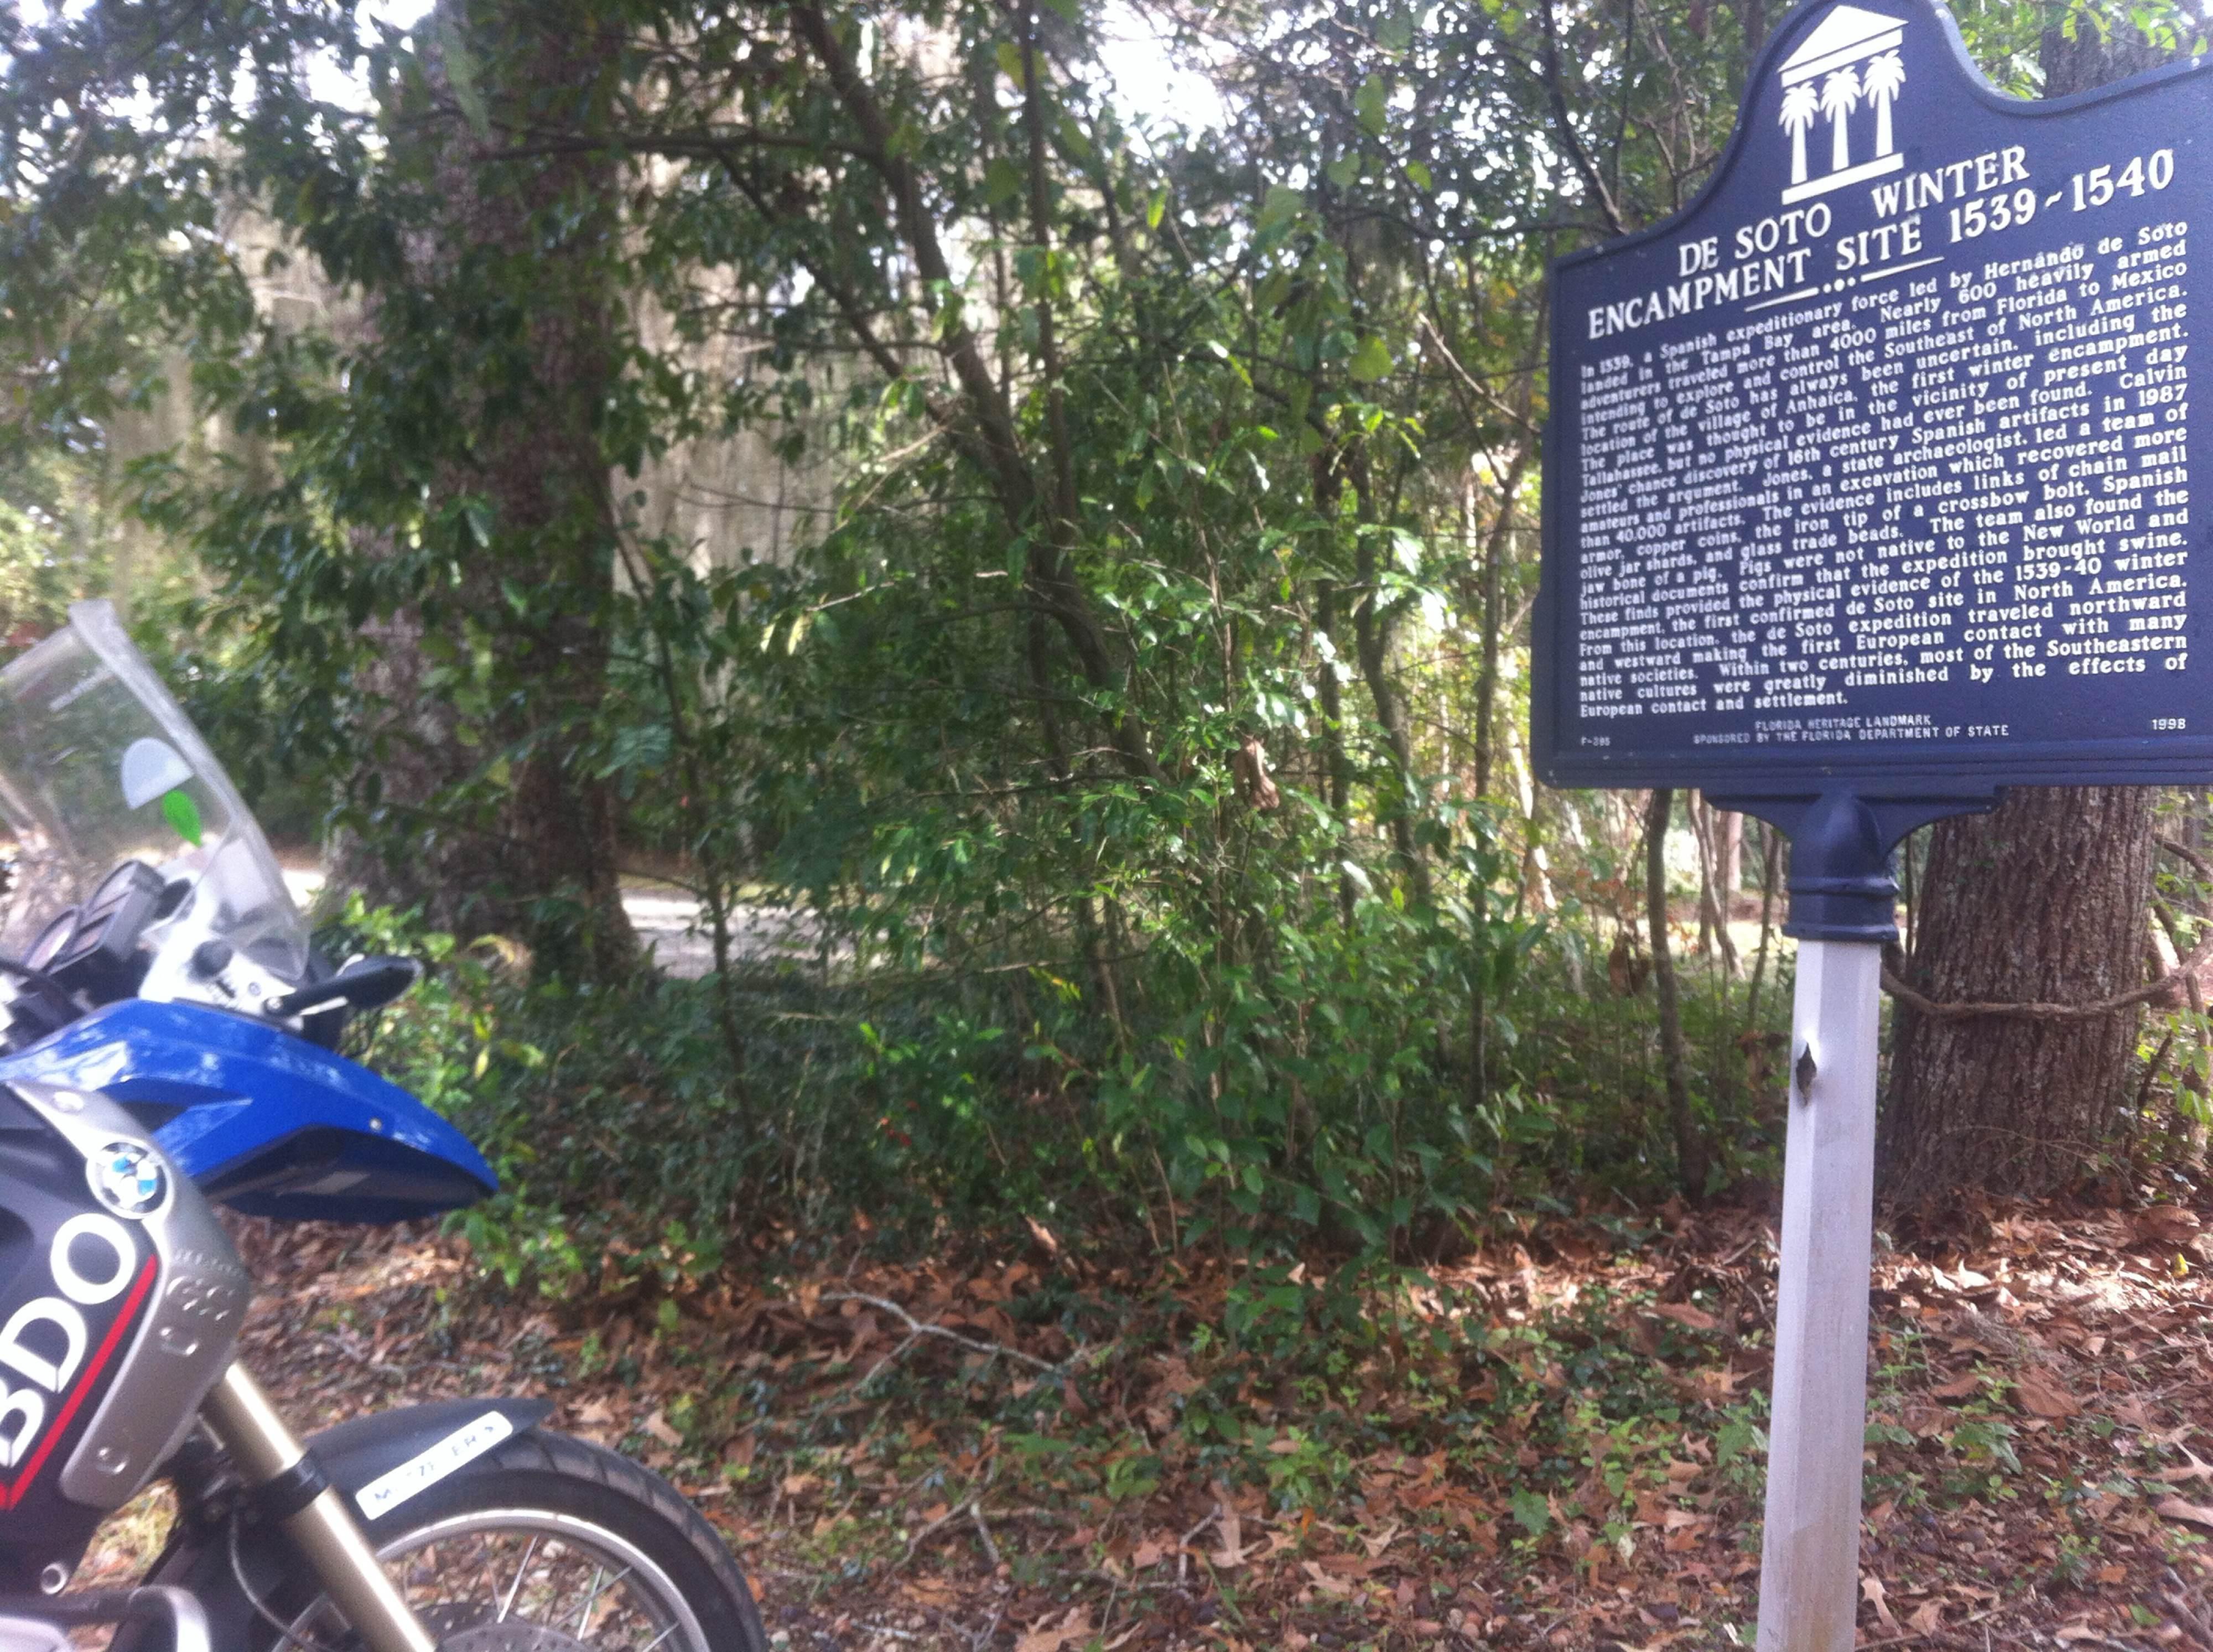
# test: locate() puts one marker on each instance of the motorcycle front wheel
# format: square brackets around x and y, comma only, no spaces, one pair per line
[548,1545]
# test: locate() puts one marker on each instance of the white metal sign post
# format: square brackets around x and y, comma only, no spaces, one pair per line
[1809,1564]
[1842,909]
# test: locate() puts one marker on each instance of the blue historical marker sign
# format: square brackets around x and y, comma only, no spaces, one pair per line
[1874,466]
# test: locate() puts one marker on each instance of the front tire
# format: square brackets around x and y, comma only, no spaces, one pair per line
[551,1533]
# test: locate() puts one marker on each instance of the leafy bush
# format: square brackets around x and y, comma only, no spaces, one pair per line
[1298,1106]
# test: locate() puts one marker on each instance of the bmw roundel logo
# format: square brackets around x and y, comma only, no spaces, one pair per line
[127,1177]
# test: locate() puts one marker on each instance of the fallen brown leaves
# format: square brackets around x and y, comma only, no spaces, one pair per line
[2197,1513]
[1552,1444]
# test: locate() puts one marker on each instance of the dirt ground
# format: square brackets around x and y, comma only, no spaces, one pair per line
[1554,1441]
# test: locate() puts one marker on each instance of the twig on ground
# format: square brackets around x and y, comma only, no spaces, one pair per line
[915,1543]
[1044,1516]
[971,1508]
[1095,1575]
[1926,1634]
[898,1497]
[874,1370]
[2198,1620]
[918,1329]
[1183,1549]
[984,1532]
[1106,1612]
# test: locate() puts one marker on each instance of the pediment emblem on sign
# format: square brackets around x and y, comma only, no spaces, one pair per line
[1849,64]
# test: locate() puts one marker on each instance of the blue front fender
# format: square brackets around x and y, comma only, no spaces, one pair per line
[261,1119]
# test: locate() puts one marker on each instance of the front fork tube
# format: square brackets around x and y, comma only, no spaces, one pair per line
[264,1450]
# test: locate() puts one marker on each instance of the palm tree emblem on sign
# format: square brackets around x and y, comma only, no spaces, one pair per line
[1880,83]
[1800,106]
[1840,96]
[1849,57]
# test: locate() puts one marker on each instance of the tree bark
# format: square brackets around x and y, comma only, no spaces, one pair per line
[1486,681]
[1751,24]
[1690,1146]
[1372,630]
[1770,841]
[1332,718]
[2043,899]
[1714,935]
[1494,558]
[539,858]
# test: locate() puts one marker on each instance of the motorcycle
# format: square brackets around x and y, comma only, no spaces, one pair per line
[172,1044]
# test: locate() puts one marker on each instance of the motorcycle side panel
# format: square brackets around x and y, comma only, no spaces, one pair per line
[121,1301]
[43,1418]
[261,1119]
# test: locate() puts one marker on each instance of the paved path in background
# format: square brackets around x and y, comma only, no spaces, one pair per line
[669,925]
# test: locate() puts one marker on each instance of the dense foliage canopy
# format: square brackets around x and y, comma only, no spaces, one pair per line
[1143,728]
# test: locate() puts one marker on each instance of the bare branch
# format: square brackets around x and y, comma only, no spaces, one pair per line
[920,1328]
[1569,138]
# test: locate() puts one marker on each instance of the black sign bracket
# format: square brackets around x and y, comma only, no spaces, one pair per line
[1842,838]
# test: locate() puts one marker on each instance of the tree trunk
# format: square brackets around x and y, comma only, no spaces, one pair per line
[1690,1147]
[1752,23]
[1713,897]
[1332,723]
[1372,631]
[2043,899]
[1486,681]
[534,854]
[1769,842]
[1330,470]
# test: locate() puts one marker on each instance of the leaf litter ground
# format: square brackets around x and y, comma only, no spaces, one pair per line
[1556,1441]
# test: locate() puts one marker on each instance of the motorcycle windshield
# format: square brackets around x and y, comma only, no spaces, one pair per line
[98,765]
